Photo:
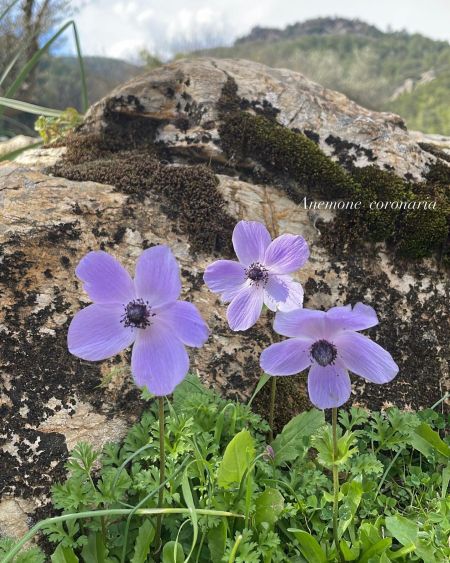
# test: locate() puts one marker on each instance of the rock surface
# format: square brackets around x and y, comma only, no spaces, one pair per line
[50,400]
[189,90]
[16,143]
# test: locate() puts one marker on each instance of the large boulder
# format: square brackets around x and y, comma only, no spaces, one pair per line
[165,159]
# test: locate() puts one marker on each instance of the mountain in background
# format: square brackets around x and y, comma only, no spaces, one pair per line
[408,74]
[58,79]
[400,72]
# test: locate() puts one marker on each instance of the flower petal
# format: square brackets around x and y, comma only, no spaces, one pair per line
[286,254]
[157,278]
[186,323]
[225,277]
[275,292]
[328,386]
[104,279]
[159,360]
[250,241]
[245,309]
[359,318]
[365,357]
[295,297]
[96,332]
[307,323]
[287,358]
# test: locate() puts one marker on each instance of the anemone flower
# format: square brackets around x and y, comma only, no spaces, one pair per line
[328,344]
[261,276]
[144,311]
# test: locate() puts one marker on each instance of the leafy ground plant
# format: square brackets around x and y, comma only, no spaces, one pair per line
[229,497]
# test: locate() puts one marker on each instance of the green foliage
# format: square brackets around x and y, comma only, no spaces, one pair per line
[31,555]
[393,503]
[426,108]
[53,129]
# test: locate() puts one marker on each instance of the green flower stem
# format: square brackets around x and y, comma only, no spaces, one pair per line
[273,394]
[110,512]
[162,466]
[335,483]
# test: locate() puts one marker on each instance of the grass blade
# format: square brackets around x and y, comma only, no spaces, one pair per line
[29,108]
[29,66]
[5,12]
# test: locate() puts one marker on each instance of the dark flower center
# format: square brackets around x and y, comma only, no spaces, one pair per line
[257,274]
[323,352]
[137,314]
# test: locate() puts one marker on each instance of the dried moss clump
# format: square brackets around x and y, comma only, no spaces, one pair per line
[188,193]
[284,152]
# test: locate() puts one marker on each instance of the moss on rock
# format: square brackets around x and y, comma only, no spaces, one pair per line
[188,194]
[284,152]
[302,167]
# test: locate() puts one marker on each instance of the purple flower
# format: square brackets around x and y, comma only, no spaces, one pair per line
[261,276]
[327,343]
[143,311]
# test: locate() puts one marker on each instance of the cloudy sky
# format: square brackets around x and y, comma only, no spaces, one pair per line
[121,28]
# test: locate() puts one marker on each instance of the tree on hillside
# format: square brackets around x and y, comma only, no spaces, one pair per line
[23,31]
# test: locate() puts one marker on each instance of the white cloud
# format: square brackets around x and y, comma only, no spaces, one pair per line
[165,27]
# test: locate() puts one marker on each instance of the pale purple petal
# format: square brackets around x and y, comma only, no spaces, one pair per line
[250,241]
[287,358]
[286,254]
[245,309]
[157,278]
[159,360]
[365,357]
[345,318]
[295,297]
[96,332]
[328,386]
[186,322]
[226,277]
[307,323]
[104,279]
[275,292]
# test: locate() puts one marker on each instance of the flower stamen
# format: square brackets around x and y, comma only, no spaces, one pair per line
[257,274]
[137,314]
[323,352]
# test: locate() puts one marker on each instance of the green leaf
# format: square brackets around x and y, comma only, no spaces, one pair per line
[173,553]
[268,505]
[238,456]
[262,381]
[352,492]
[217,541]
[64,555]
[375,549]
[187,494]
[143,542]
[95,550]
[445,480]
[294,438]
[403,530]
[309,546]
[349,553]
[426,440]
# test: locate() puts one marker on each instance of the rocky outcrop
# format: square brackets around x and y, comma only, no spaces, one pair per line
[155,163]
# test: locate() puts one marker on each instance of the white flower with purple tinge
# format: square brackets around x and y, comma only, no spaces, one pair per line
[143,311]
[261,276]
[326,342]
